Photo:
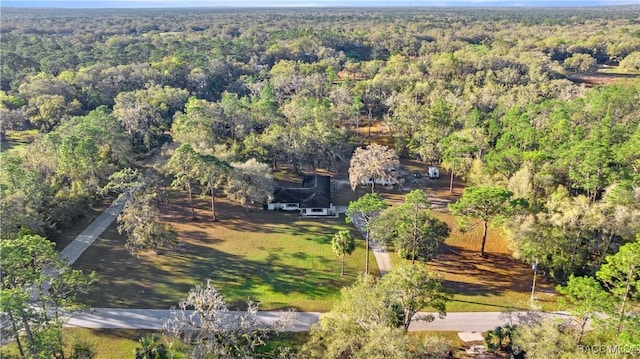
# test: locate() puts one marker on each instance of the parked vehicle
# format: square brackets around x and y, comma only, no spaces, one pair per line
[434,172]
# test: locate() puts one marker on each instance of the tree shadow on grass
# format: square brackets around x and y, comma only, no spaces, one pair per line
[240,279]
[161,281]
[196,235]
[467,273]
[231,216]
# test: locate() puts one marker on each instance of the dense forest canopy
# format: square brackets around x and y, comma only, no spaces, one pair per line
[538,110]
[489,93]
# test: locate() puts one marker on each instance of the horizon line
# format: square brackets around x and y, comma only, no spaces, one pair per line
[297,4]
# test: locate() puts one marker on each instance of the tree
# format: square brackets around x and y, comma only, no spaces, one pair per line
[362,212]
[581,63]
[500,338]
[86,149]
[343,243]
[371,309]
[412,289]
[631,62]
[146,114]
[544,340]
[201,125]
[413,230]
[211,172]
[123,183]
[204,323]
[585,298]
[38,294]
[140,220]
[250,181]
[373,163]
[621,276]
[484,203]
[24,197]
[457,154]
[183,164]
[151,348]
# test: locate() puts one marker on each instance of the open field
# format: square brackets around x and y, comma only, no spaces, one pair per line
[278,259]
[16,141]
[283,260]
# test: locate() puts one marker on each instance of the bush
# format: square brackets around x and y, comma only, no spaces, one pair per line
[500,338]
[83,350]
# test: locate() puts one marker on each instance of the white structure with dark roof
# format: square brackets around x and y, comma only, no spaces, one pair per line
[313,198]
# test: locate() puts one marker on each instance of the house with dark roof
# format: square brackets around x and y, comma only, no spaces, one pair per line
[312,198]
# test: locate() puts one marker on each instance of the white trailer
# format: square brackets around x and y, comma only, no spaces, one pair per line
[434,172]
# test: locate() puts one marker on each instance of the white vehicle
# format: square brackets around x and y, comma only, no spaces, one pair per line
[434,172]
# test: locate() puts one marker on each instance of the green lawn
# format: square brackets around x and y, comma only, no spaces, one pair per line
[277,259]
[105,343]
[122,343]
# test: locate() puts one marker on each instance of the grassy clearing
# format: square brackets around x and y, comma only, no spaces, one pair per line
[122,343]
[283,260]
[279,259]
[106,343]
[496,283]
[617,70]
[16,141]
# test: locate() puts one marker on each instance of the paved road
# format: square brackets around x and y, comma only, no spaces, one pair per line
[113,318]
[154,318]
[84,240]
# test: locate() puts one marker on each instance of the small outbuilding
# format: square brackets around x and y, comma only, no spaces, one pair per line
[313,198]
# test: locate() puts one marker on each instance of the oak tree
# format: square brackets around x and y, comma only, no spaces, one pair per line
[373,163]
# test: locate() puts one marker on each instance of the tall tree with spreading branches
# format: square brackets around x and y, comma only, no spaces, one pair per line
[362,211]
[621,276]
[140,221]
[413,230]
[484,203]
[183,165]
[204,323]
[374,163]
[250,182]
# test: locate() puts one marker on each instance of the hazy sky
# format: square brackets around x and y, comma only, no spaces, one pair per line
[303,3]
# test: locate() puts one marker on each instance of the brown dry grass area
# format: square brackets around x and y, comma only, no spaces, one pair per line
[494,283]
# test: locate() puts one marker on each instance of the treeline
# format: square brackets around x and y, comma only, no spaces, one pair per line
[483,93]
